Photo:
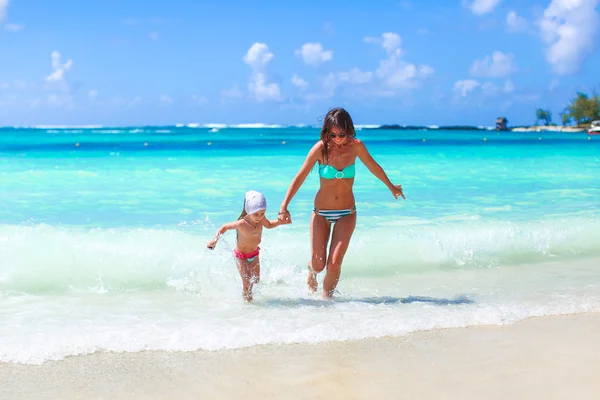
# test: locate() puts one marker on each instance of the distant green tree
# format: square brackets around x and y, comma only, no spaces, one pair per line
[584,109]
[594,107]
[565,117]
[544,115]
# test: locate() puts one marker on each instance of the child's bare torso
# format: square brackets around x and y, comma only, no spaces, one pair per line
[248,237]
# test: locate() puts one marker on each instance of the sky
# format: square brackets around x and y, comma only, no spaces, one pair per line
[426,62]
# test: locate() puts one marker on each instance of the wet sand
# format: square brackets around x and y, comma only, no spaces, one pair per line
[547,358]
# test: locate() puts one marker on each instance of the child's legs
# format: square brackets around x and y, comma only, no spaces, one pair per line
[255,270]
[250,274]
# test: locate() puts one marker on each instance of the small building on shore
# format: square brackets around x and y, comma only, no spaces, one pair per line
[501,123]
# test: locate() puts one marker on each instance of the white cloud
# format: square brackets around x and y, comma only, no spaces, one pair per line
[165,100]
[3,7]
[426,70]
[487,89]
[92,94]
[393,71]
[14,27]
[119,101]
[19,85]
[332,81]
[263,90]
[397,74]
[393,75]
[8,100]
[422,31]
[258,56]
[233,93]
[34,103]
[139,21]
[509,87]
[490,89]
[59,69]
[527,97]
[60,101]
[154,35]
[195,99]
[355,76]
[514,23]
[313,54]
[553,84]
[299,82]
[465,86]
[480,7]
[570,29]
[22,85]
[390,41]
[498,65]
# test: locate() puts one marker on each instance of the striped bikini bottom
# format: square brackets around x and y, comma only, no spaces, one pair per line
[334,215]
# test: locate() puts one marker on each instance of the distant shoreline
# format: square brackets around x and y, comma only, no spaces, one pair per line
[217,127]
[567,129]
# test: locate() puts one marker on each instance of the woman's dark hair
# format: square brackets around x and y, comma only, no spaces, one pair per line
[339,118]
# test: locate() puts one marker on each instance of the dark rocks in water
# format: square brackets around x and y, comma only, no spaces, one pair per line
[427,128]
[462,128]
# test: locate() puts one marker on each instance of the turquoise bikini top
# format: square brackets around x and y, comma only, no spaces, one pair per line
[329,172]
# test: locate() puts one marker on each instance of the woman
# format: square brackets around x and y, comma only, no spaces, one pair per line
[336,154]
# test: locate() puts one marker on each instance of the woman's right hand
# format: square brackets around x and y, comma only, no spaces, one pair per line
[284,216]
[211,244]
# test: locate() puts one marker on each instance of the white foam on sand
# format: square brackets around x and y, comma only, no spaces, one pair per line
[475,363]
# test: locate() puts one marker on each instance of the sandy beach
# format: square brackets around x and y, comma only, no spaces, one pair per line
[566,129]
[549,357]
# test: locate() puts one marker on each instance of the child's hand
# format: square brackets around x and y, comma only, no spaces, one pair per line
[211,244]
[284,217]
[397,191]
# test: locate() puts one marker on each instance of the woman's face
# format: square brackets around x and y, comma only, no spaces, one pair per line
[336,135]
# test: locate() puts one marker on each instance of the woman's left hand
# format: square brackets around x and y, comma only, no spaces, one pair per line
[397,191]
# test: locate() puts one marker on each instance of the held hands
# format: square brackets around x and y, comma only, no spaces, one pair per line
[284,217]
[397,191]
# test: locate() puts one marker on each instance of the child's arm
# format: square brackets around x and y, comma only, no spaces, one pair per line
[274,223]
[232,225]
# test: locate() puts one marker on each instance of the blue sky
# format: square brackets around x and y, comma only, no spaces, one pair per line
[134,62]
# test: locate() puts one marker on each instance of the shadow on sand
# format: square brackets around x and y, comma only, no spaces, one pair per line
[368,300]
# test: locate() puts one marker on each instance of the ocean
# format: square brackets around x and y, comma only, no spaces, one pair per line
[103,235]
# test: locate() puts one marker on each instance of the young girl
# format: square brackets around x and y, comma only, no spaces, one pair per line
[249,233]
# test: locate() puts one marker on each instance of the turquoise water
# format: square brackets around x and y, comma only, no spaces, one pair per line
[103,232]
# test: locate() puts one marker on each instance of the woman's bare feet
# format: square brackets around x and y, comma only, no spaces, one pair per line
[311,280]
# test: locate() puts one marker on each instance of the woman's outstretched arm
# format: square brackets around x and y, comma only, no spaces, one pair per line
[375,168]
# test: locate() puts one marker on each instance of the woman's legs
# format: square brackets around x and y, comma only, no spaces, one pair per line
[342,233]
[319,236]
